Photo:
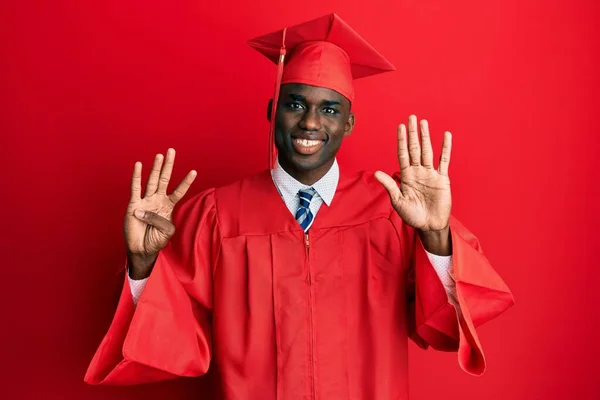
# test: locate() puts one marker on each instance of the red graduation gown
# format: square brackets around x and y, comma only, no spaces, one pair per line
[281,317]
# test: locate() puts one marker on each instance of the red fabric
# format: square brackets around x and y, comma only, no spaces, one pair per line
[238,286]
[324,52]
[321,64]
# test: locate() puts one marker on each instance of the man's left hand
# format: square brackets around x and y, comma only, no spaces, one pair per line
[422,199]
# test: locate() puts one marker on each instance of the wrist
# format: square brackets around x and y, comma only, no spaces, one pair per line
[438,242]
[140,266]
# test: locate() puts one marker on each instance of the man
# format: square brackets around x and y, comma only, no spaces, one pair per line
[302,281]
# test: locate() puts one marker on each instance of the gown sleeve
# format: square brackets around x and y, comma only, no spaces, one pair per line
[481,293]
[168,333]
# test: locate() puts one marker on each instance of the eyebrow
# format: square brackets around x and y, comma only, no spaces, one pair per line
[326,103]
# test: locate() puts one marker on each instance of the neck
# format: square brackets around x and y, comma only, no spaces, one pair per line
[307,177]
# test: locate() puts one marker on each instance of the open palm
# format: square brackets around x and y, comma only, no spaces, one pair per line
[423,198]
[148,221]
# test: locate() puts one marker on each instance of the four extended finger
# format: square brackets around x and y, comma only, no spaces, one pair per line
[165,174]
[183,187]
[426,149]
[446,152]
[414,149]
[403,158]
[136,182]
[152,184]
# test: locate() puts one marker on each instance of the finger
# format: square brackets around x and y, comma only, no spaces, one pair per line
[183,187]
[426,149]
[403,158]
[154,174]
[414,149]
[445,157]
[136,183]
[165,174]
[160,223]
[390,185]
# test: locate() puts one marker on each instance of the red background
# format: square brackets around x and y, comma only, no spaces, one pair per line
[87,88]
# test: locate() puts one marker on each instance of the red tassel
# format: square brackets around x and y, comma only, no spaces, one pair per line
[272,148]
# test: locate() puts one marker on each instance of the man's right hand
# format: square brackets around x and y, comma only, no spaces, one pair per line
[148,222]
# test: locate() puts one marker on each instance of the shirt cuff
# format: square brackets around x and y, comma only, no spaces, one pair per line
[443,266]
[137,287]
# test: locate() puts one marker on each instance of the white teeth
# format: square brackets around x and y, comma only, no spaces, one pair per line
[307,143]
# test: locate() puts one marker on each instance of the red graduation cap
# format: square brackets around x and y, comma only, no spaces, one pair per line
[324,52]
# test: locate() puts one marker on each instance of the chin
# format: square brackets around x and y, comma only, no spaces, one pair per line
[303,163]
[310,164]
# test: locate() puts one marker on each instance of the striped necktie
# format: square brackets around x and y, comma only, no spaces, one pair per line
[304,216]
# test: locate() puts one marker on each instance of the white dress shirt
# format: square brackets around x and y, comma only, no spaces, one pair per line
[325,189]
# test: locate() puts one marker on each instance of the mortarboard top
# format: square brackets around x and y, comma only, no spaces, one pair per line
[324,52]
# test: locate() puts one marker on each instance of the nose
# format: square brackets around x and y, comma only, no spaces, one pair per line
[311,121]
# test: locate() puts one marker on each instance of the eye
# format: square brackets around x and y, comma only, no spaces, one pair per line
[295,105]
[329,110]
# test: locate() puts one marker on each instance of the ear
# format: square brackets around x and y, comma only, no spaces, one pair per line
[269,110]
[349,125]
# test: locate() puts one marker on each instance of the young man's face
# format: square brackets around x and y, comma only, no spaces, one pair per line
[310,124]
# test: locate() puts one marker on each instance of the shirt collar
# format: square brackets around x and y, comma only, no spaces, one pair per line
[289,187]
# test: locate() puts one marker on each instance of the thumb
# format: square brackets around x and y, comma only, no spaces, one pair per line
[389,184]
[160,223]
[140,214]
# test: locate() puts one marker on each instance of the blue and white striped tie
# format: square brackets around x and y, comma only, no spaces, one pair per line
[304,216]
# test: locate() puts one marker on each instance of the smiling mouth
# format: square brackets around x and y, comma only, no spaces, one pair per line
[307,146]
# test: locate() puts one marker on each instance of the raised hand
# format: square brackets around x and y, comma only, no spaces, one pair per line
[148,223]
[423,198]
